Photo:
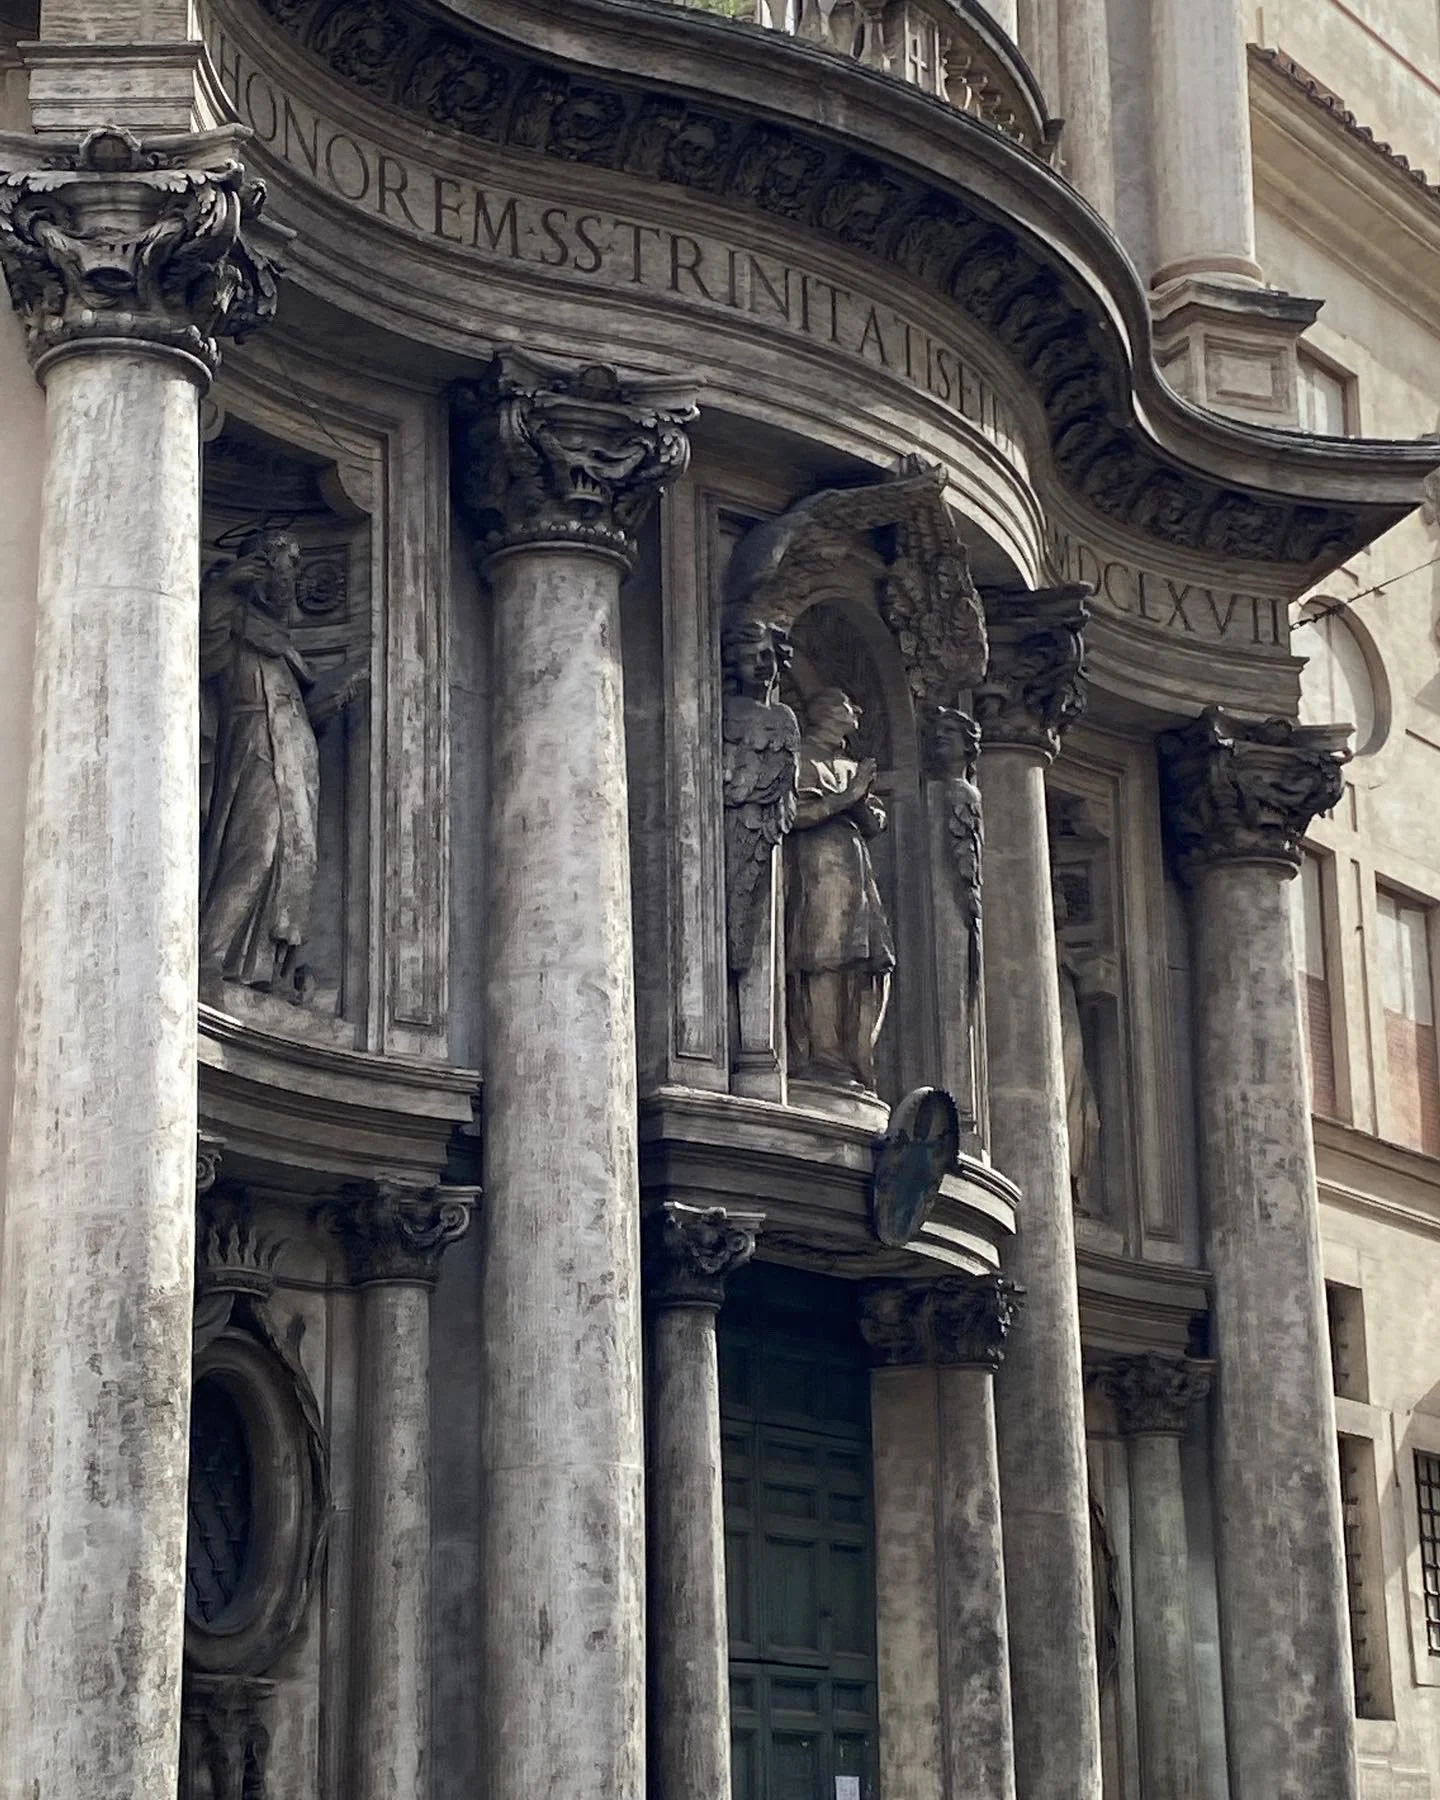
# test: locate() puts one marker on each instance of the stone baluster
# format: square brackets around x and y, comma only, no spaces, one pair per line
[1153,1397]
[554,472]
[1237,796]
[393,1238]
[1033,689]
[127,262]
[689,1256]
[940,1571]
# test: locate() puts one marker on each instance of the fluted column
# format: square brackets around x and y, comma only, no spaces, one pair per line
[554,472]
[1153,1397]
[1033,689]
[393,1238]
[945,1717]
[126,262]
[689,1257]
[1237,797]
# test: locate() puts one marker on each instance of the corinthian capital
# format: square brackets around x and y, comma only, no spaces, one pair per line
[544,456]
[1152,1394]
[962,1321]
[1034,686]
[1238,790]
[691,1251]
[149,242]
[393,1232]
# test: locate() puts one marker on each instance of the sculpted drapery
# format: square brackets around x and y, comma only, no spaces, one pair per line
[260,704]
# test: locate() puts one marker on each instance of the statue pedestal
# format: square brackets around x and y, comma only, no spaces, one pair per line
[851,1105]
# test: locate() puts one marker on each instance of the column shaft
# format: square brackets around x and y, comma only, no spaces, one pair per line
[99,1215]
[562,1439]
[391,1693]
[688,1648]
[1204,221]
[1290,1705]
[1044,1483]
[1086,149]
[1165,1677]
[977,1725]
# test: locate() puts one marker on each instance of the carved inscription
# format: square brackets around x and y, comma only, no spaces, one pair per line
[1186,608]
[609,249]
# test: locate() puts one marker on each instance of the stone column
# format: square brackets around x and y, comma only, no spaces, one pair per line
[553,473]
[1033,689]
[1204,220]
[1153,1396]
[689,1256]
[1086,149]
[1237,797]
[393,1238]
[944,1666]
[126,262]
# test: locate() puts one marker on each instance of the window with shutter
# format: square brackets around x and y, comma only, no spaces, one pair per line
[1308,904]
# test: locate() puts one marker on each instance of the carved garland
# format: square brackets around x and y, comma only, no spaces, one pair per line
[483,88]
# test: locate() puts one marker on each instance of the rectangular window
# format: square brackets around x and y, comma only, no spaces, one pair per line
[1409,998]
[1308,913]
[1327,405]
[1365,1579]
[1427,1489]
[1345,1313]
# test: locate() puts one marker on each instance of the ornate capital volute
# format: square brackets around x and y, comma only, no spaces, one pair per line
[692,1251]
[397,1232]
[208,1152]
[961,1321]
[1245,790]
[1152,1394]
[544,456]
[154,242]
[1034,686]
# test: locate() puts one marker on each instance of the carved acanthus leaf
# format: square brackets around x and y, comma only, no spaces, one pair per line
[544,455]
[150,241]
[1034,687]
[392,1231]
[962,1321]
[1151,1393]
[691,1251]
[1241,790]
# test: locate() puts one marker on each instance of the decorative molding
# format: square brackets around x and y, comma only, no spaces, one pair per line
[484,86]
[958,1322]
[548,456]
[391,1231]
[1034,686]
[224,1740]
[1241,790]
[232,1255]
[149,241]
[208,1152]
[691,1252]
[1152,1394]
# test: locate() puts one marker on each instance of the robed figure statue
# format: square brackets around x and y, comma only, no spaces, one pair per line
[838,948]
[260,704]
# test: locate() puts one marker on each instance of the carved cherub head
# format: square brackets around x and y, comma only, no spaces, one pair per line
[953,745]
[753,656]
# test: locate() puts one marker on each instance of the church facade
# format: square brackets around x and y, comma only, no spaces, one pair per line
[677,679]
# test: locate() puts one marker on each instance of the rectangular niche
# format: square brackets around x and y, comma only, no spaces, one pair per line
[324,845]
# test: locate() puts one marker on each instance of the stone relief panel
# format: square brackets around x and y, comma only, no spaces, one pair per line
[1121,1079]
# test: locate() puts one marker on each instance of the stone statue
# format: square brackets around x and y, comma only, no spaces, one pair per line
[838,948]
[761,763]
[1082,1108]
[260,705]
[953,752]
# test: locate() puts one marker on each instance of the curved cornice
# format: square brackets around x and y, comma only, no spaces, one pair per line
[762,121]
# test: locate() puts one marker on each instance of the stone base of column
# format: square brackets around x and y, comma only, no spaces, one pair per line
[1229,345]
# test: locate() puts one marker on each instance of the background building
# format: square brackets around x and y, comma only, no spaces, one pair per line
[709,695]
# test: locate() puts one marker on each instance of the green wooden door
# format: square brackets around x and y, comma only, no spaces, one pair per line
[795,1411]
